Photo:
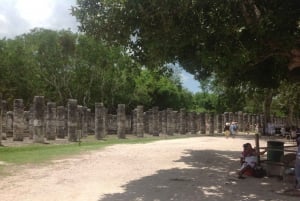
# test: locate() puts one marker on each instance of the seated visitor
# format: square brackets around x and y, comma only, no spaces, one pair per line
[248,160]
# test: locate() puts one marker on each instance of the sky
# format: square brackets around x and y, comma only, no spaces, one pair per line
[20,16]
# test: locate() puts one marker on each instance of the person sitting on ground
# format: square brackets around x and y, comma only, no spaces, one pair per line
[248,160]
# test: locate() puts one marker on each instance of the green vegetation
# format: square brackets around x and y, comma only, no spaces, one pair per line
[243,47]
[129,52]
[38,153]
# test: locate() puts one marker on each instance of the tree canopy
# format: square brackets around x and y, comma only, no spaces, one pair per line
[61,65]
[237,40]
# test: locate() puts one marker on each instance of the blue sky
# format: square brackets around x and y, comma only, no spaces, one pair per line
[189,82]
[20,16]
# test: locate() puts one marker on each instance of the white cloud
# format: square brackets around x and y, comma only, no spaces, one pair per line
[3,19]
[189,82]
[20,16]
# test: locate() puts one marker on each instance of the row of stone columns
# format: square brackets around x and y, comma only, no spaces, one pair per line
[74,121]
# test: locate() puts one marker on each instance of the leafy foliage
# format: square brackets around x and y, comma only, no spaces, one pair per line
[237,40]
[61,65]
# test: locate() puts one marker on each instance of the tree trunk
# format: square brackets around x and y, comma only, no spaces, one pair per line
[290,115]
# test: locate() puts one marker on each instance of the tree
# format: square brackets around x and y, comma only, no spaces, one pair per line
[240,42]
[237,38]
[288,100]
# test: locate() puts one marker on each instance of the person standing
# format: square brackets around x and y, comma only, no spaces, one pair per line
[227,129]
[233,129]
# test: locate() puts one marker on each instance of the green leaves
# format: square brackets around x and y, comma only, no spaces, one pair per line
[203,36]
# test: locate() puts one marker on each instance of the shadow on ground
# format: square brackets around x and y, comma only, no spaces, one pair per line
[210,176]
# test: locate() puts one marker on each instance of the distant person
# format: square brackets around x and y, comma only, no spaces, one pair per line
[227,129]
[233,129]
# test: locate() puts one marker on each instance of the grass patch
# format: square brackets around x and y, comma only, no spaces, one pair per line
[41,153]
[38,153]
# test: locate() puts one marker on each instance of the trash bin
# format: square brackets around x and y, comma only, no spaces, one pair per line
[275,151]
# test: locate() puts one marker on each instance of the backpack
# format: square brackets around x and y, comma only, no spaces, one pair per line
[259,172]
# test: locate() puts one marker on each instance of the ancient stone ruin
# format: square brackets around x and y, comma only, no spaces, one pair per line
[47,121]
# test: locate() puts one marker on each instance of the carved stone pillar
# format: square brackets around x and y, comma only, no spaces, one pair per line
[18,121]
[170,120]
[182,121]
[220,123]
[202,123]
[38,119]
[51,121]
[192,122]
[61,122]
[121,121]
[72,120]
[140,121]
[100,121]
[211,123]
[9,123]
[155,120]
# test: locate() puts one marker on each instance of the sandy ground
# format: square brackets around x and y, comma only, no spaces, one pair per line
[199,168]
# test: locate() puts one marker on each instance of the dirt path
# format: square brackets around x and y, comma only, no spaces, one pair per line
[200,168]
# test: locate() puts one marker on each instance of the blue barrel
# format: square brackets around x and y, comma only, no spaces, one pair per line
[275,151]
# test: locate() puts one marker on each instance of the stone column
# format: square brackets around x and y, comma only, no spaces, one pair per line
[164,122]
[202,123]
[226,118]
[84,121]
[150,121]
[51,121]
[253,122]
[231,116]
[191,123]
[134,122]
[72,120]
[240,121]
[61,129]
[211,123]
[30,122]
[140,121]
[155,119]
[146,122]
[182,121]
[18,121]
[4,111]
[175,122]
[220,124]
[38,119]
[26,119]
[90,122]
[197,122]
[100,121]
[79,122]
[170,126]
[121,120]
[9,123]
[246,123]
